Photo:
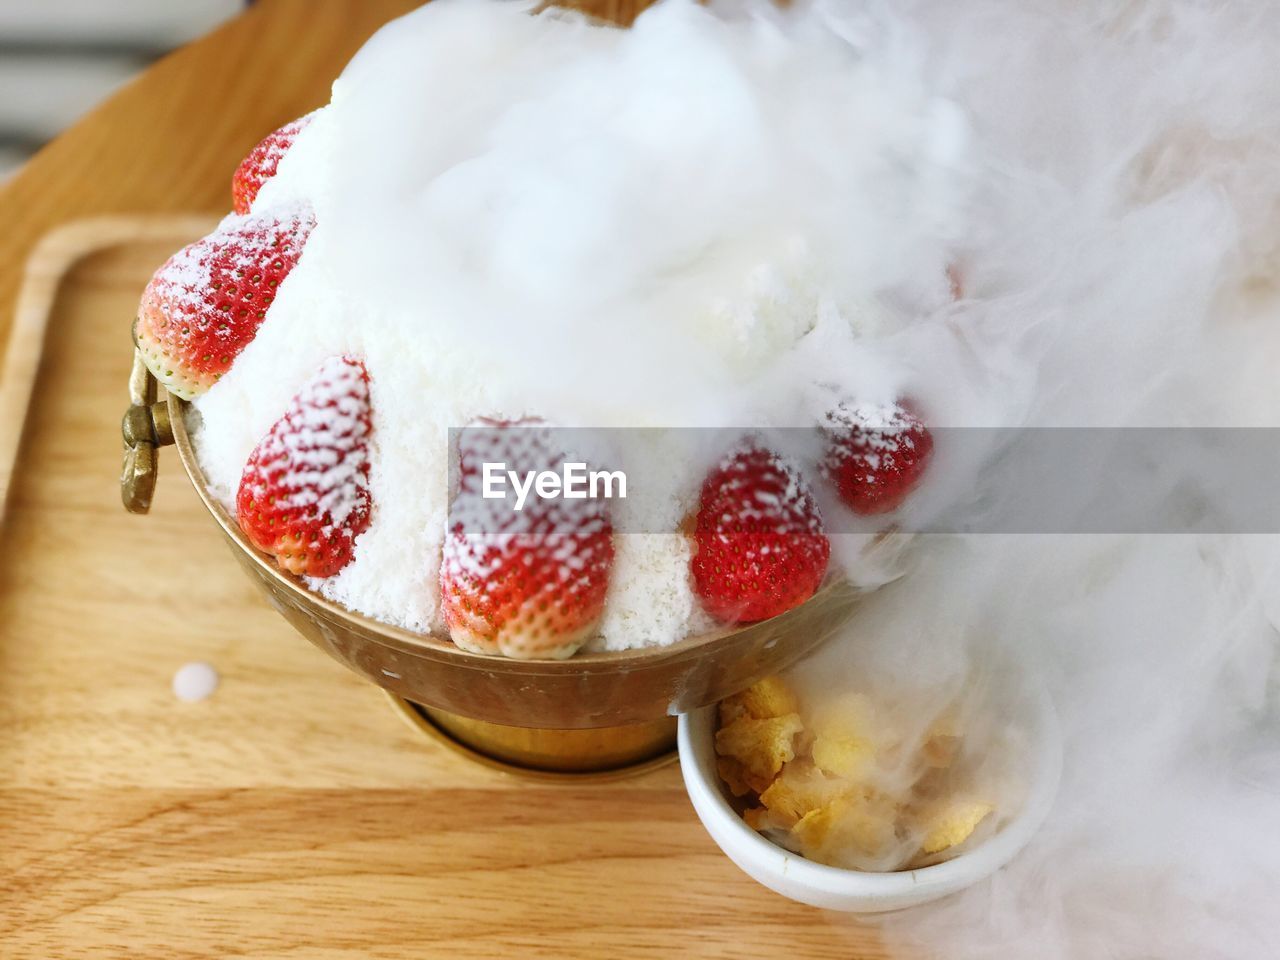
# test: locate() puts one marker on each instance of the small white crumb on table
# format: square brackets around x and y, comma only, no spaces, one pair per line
[194,682]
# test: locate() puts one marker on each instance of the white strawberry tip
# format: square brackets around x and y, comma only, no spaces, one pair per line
[534,639]
[169,373]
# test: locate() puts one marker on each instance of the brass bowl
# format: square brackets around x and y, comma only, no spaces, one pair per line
[587,691]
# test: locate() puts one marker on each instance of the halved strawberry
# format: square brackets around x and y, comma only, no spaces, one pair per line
[529,583]
[760,546]
[304,494]
[206,303]
[876,454]
[262,162]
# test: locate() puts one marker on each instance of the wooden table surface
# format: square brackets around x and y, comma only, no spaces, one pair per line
[292,814]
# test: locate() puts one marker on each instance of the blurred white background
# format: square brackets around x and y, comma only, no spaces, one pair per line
[58,58]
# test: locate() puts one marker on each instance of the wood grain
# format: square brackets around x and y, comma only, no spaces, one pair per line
[293,814]
[46,268]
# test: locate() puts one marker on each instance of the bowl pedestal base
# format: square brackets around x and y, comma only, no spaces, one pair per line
[605,753]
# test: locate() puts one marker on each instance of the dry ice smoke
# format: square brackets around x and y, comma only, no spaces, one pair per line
[1121,267]
[716,213]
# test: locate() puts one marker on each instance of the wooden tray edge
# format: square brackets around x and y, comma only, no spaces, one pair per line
[56,253]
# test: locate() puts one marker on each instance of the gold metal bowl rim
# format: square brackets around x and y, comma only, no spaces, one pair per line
[426,645]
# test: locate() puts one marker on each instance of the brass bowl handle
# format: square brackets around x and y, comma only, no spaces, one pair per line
[145,428]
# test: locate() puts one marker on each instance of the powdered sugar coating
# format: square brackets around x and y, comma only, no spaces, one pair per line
[209,273]
[876,455]
[207,302]
[304,493]
[525,580]
[262,163]
[760,544]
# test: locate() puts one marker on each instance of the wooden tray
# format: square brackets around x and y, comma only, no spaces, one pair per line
[293,814]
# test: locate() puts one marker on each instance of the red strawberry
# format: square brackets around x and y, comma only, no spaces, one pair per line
[760,546]
[528,583]
[261,163]
[304,494]
[205,305]
[876,455]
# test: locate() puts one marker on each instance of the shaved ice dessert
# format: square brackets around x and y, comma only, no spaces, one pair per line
[506,223]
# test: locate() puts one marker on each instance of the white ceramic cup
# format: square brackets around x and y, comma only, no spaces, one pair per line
[852,891]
